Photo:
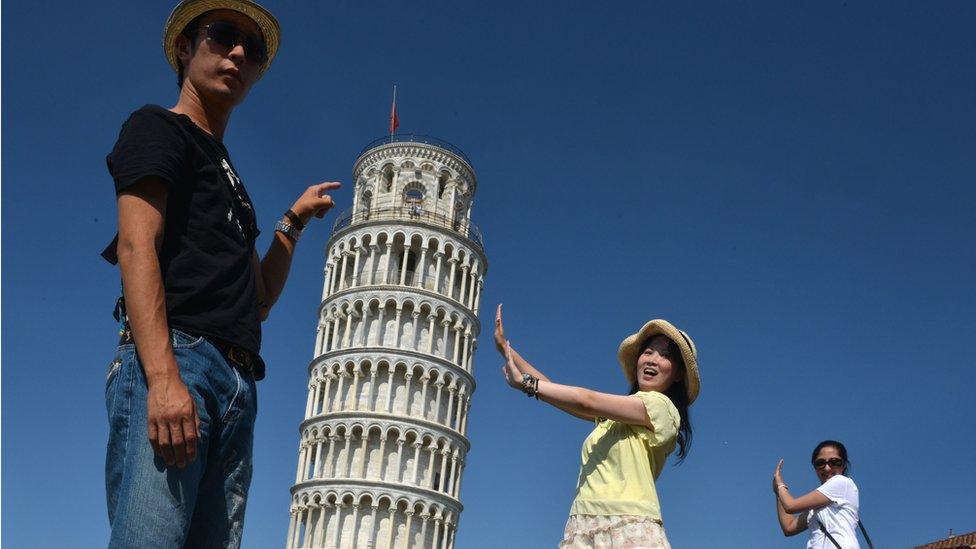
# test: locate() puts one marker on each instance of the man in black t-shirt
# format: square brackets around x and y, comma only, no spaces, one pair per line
[181,391]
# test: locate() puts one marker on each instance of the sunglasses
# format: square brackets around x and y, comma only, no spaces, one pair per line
[228,35]
[834,463]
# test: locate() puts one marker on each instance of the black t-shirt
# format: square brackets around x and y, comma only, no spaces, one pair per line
[210,231]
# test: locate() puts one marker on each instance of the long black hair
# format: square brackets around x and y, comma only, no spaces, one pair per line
[678,394]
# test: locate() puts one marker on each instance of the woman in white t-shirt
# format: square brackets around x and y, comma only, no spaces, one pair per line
[831,508]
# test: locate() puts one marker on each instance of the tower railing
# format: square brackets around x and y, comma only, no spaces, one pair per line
[414,138]
[411,213]
[393,277]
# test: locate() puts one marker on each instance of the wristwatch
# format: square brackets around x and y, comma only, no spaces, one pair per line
[288,230]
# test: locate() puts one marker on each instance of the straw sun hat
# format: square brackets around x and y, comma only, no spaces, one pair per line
[632,346]
[188,10]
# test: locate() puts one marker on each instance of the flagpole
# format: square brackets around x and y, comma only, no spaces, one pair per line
[393,114]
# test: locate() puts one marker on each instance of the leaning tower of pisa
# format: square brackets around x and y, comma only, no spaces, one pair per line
[383,443]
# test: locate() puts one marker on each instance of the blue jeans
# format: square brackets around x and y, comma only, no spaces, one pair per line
[151,505]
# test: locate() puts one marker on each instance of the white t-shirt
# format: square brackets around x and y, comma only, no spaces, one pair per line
[840,517]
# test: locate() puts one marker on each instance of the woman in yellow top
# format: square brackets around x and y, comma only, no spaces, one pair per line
[616,504]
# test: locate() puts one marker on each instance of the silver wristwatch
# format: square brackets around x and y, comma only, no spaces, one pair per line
[289,230]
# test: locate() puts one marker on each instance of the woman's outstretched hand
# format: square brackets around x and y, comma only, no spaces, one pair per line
[499,331]
[512,374]
[778,477]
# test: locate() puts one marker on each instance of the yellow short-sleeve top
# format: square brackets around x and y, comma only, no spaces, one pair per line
[621,461]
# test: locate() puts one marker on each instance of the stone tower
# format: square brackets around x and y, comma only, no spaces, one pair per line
[383,442]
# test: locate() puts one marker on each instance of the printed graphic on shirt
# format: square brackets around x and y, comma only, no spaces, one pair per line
[235,183]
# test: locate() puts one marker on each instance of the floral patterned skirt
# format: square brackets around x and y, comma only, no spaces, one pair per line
[613,532]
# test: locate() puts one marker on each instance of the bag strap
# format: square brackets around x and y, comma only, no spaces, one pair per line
[837,545]
[865,532]
[826,533]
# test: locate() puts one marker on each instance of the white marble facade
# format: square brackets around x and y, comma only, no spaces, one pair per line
[383,443]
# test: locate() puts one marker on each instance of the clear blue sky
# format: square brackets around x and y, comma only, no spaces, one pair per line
[791,184]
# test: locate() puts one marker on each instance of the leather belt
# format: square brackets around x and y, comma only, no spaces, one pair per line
[237,356]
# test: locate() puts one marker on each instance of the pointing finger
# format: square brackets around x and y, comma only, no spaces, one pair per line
[321,188]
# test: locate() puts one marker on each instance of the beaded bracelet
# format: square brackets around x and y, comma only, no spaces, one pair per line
[530,386]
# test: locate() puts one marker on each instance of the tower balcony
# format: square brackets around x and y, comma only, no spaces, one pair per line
[412,213]
[414,138]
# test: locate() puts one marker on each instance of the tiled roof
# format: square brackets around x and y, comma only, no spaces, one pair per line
[962,540]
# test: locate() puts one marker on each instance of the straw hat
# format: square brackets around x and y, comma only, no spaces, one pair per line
[632,346]
[188,10]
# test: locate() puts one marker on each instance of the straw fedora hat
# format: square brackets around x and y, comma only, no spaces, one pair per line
[632,346]
[188,10]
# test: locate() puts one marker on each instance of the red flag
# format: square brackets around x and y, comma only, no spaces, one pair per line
[394,119]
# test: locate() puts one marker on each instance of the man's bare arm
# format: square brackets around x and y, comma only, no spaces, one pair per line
[172,416]
[274,267]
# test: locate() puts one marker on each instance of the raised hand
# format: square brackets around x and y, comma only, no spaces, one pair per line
[499,331]
[778,476]
[511,372]
[315,201]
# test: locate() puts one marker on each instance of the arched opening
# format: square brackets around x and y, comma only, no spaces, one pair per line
[387,177]
[413,198]
[366,203]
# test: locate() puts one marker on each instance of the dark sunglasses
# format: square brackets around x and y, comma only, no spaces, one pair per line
[835,463]
[228,35]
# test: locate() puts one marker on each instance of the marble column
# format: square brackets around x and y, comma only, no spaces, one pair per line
[326,397]
[319,538]
[396,327]
[452,392]
[379,473]
[438,255]
[403,266]
[380,326]
[371,262]
[416,461]
[446,323]
[371,395]
[354,390]
[432,318]
[443,472]
[464,350]
[389,541]
[450,281]
[374,530]
[349,456]
[406,405]
[399,460]
[423,395]
[389,389]
[386,278]
[342,271]
[329,468]
[290,539]
[363,457]
[338,403]
[422,268]
[406,529]
[457,343]
[327,276]
[347,335]
[415,335]
[423,528]
[451,479]
[477,295]
[355,268]
[439,385]
[464,283]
